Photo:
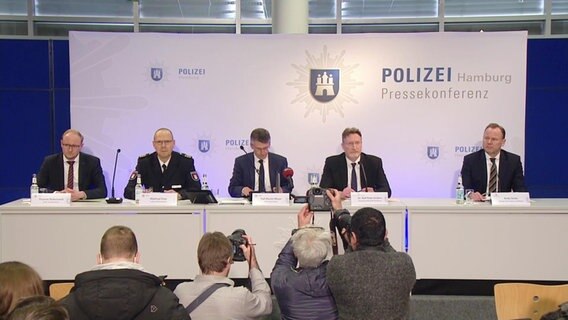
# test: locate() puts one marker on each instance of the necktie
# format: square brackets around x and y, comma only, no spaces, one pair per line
[353,176]
[164,167]
[70,175]
[261,187]
[493,177]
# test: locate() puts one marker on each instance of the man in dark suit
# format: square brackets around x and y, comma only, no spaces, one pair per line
[505,167]
[354,170]
[73,171]
[165,170]
[258,171]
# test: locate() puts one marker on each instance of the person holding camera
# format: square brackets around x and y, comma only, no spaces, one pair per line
[298,278]
[371,280]
[212,294]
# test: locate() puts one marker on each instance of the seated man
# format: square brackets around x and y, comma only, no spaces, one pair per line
[371,278]
[354,170]
[118,287]
[492,169]
[73,171]
[165,170]
[298,279]
[250,170]
[215,256]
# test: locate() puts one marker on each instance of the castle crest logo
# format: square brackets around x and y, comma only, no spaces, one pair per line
[318,84]
[324,84]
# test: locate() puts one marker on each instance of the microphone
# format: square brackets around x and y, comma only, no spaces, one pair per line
[288,173]
[363,176]
[253,164]
[113,199]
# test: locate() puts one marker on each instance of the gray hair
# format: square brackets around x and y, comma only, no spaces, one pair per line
[311,246]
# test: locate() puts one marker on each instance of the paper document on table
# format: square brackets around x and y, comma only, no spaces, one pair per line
[233,201]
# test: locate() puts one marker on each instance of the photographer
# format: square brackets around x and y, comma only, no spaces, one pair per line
[371,279]
[215,256]
[298,278]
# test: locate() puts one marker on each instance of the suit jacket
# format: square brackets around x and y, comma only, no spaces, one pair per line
[180,172]
[474,172]
[335,173]
[244,173]
[91,178]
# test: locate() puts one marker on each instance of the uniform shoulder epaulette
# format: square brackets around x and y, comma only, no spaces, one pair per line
[144,156]
[185,155]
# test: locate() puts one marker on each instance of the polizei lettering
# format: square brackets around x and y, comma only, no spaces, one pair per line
[423,74]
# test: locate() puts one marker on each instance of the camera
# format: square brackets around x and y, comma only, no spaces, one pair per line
[237,240]
[343,220]
[318,199]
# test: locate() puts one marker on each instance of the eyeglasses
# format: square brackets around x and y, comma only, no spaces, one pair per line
[163,141]
[71,146]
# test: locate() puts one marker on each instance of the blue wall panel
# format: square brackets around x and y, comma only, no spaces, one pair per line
[546,130]
[24,64]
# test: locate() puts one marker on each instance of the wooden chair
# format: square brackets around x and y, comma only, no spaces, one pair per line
[527,301]
[60,290]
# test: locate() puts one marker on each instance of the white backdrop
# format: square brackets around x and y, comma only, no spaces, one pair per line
[212,90]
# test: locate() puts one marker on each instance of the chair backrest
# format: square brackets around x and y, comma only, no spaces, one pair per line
[60,290]
[526,300]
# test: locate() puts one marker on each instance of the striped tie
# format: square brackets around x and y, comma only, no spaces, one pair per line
[493,177]
[70,175]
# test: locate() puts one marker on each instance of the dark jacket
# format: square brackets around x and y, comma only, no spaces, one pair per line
[511,178]
[179,176]
[372,283]
[244,173]
[122,294]
[91,178]
[302,294]
[335,173]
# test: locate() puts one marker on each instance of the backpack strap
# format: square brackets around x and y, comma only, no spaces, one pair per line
[203,296]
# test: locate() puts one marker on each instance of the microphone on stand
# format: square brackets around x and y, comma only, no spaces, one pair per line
[363,176]
[113,199]
[253,164]
[288,173]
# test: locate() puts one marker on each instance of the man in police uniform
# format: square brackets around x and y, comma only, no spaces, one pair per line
[165,170]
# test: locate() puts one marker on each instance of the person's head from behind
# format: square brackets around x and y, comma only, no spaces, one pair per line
[368,228]
[119,244]
[17,281]
[260,142]
[38,308]
[215,254]
[311,246]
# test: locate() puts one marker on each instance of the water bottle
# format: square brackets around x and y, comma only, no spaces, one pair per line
[138,189]
[34,187]
[204,185]
[460,192]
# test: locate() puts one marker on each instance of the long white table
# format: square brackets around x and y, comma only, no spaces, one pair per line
[480,241]
[61,242]
[446,241]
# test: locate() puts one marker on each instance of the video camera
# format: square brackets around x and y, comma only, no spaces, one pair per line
[318,199]
[237,240]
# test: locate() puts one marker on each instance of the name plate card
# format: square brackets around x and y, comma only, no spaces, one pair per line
[51,199]
[271,199]
[158,199]
[363,199]
[520,199]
